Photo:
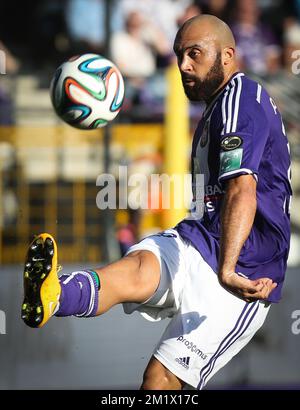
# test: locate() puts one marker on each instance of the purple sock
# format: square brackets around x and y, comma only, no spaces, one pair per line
[79,294]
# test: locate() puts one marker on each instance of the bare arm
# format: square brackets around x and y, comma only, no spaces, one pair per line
[237,218]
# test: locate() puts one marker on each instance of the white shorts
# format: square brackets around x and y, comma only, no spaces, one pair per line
[209,325]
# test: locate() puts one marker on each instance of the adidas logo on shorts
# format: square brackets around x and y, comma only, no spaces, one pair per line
[184,361]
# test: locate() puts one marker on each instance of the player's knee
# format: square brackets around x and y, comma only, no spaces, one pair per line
[160,378]
[156,381]
[145,274]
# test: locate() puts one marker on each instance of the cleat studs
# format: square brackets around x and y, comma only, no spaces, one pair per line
[38,310]
[43,275]
[24,306]
[38,243]
[34,246]
[49,242]
[28,265]
[48,268]
[26,274]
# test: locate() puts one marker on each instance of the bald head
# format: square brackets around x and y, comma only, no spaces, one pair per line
[209,26]
[205,50]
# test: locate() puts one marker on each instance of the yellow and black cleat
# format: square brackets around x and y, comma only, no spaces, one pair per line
[41,285]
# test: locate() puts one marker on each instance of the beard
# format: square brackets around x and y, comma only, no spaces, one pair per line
[206,88]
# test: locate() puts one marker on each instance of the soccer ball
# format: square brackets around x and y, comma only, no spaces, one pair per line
[87,91]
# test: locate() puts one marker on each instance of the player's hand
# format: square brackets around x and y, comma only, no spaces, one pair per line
[246,289]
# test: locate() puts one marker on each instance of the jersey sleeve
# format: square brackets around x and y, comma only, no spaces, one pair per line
[243,137]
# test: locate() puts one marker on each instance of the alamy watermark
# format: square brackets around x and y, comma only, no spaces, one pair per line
[296,324]
[155,191]
[2,62]
[2,323]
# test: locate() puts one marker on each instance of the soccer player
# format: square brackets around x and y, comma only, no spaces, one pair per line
[216,273]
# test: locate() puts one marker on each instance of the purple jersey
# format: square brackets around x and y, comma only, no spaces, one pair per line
[241,132]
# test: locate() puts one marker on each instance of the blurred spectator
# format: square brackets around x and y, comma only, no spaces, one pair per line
[291,42]
[257,48]
[134,51]
[11,63]
[86,23]
[11,66]
[275,12]
[191,11]
[162,13]
[291,35]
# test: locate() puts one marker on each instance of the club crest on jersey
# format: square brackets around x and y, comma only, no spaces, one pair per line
[205,135]
[232,142]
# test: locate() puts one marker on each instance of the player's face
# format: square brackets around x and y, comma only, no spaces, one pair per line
[200,65]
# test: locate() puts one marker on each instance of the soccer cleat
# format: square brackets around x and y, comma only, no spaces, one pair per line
[41,285]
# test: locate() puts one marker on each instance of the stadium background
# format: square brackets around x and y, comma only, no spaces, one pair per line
[48,173]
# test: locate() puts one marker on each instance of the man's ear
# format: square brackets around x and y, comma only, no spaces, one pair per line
[228,55]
